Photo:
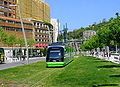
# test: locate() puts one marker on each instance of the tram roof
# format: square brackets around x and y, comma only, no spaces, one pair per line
[57,44]
[76,40]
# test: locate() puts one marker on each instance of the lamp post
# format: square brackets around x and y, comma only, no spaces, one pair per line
[23,30]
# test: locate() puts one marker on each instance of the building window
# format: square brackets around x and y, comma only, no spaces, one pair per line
[5,14]
[1,13]
[17,22]
[34,23]
[1,2]
[2,20]
[9,21]
[41,31]
[38,30]
[37,23]
[5,3]
[10,14]
[35,39]
[19,30]
[11,0]
[28,30]
[10,29]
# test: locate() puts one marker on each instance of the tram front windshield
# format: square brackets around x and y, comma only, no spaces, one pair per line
[55,54]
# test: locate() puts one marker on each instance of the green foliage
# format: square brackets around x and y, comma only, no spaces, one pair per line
[44,51]
[91,44]
[11,40]
[76,34]
[31,42]
[20,41]
[48,23]
[3,35]
[7,39]
[107,34]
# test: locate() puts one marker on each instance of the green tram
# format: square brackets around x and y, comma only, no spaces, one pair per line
[59,54]
[2,59]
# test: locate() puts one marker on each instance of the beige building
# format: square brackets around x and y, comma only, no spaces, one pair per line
[10,23]
[34,13]
[87,34]
[35,9]
[42,34]
[38,12]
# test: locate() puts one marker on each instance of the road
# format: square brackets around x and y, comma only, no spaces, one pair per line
[14,64]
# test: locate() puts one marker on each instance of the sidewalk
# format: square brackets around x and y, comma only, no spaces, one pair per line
[112,59]
[11,60]
[19,63]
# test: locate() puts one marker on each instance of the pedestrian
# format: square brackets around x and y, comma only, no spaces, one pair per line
[23,57]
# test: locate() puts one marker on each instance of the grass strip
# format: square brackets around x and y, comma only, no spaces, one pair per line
[84,71]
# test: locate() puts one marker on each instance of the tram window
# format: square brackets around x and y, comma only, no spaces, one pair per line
[55,54]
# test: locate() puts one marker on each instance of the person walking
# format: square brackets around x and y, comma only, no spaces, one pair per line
[23,57]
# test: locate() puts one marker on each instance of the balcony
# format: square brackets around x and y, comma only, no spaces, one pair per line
[14,25]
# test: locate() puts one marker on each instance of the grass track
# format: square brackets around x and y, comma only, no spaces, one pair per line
[82,72]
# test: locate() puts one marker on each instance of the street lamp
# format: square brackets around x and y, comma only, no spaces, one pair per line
[23,30]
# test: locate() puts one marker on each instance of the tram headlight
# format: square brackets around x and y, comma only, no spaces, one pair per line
[54,60]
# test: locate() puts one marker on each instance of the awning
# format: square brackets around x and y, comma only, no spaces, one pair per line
[41,45]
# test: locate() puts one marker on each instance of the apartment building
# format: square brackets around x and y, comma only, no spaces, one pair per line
[10,22]
[34,12]
[6,10]
[35,9]
[42,34]
[38,12]
[87,34]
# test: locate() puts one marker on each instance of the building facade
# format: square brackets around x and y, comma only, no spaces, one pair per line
[41,34]
[34,9]
[6,10]
[56,25]
[34,14]
[38,12]
[87,34]
[9,21]
[11,25]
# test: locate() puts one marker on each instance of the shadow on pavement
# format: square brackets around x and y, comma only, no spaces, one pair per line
[114,76]
[108,66]
[102,61]
[105,85]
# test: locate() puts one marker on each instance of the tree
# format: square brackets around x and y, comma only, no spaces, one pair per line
[93,43]
[3,35]
[20,42]
[31,43]
[11,40]
[117,14]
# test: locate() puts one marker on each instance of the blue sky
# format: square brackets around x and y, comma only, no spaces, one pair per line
[82,13]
